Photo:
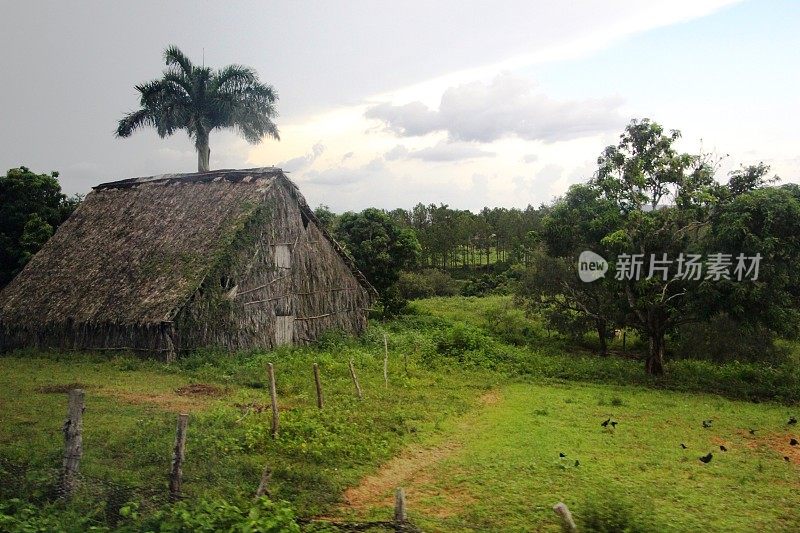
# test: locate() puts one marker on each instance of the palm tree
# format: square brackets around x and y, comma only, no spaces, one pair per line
[199,100]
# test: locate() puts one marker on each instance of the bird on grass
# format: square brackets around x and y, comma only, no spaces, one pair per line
[792,421]
[752,431]
[683,446]
[707,423]
[707,458]
[723,448]
[562,455]
[614,424]
[577,463]
[793,442]
[786,458]
[605,423]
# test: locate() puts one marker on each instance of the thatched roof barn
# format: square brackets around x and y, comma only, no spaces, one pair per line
[231,258]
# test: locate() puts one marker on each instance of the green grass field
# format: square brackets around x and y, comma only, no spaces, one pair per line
[479,404]
[498,468]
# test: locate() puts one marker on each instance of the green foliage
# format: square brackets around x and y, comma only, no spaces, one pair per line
[32,207]
[722,339]
[17,516]
[381,249]
[427,283]
[263,516]
[198,99]
[327,218]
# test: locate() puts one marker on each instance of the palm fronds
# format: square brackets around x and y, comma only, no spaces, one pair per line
[199,100]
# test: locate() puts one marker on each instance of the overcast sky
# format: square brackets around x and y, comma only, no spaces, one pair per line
[387,104]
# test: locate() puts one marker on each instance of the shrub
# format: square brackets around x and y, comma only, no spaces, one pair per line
[427,283]
[610,512]
[723,339]
[219,515]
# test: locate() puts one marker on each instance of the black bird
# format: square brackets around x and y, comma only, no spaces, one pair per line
[577,463]
[683,446]
[562,454]
[614,424]
[753,431]
[786,458]
[605,424]
[707,458]
[793,442]
[707,423]
[723,448]
[792,421]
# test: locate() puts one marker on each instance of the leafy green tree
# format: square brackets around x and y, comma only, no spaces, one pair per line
[32,206]
[551,286]
[200,100]
[665,199]
[326,217]
[381,249]
[763,221]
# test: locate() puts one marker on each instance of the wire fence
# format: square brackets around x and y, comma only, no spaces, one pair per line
[58,479]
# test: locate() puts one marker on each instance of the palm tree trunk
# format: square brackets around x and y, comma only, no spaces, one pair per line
[203,152]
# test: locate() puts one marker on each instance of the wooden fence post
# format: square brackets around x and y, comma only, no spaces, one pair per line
[355,379]
[400,505]
[73,442]
[566,517]
[263,486]
[273,396]
[318,384]
[178,453]
[385,361]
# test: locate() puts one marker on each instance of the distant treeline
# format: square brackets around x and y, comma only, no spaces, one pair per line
[458,238]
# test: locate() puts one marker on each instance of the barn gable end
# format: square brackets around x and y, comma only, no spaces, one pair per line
[176,262]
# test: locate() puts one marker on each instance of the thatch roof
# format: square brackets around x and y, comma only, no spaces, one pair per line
[136,250]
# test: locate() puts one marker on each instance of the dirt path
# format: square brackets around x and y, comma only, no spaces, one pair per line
[411,469]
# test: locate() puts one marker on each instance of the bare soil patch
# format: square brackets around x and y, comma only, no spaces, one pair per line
[200,389]
[60,388]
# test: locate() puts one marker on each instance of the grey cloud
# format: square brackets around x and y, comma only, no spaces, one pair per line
[506,107]
[443,151]
[345,176]
[530,158]
[406,120]
[398,152]
[303,161]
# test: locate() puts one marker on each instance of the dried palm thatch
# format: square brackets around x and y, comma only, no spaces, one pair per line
[230,258]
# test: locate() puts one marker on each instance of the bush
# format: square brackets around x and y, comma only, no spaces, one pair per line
[219,515]
[723,340]
[427,283]
[609,512]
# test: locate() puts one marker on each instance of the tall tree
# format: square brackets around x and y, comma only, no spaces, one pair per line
[200,100]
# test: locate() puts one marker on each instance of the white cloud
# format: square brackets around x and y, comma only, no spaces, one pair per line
[530,158]
[507,107]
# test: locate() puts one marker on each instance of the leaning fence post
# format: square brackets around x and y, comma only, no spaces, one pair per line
[400,505]
[176,473]
[355,379]
[273,396]
[318,385]
[385,361]
[566,517]
[73,441]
